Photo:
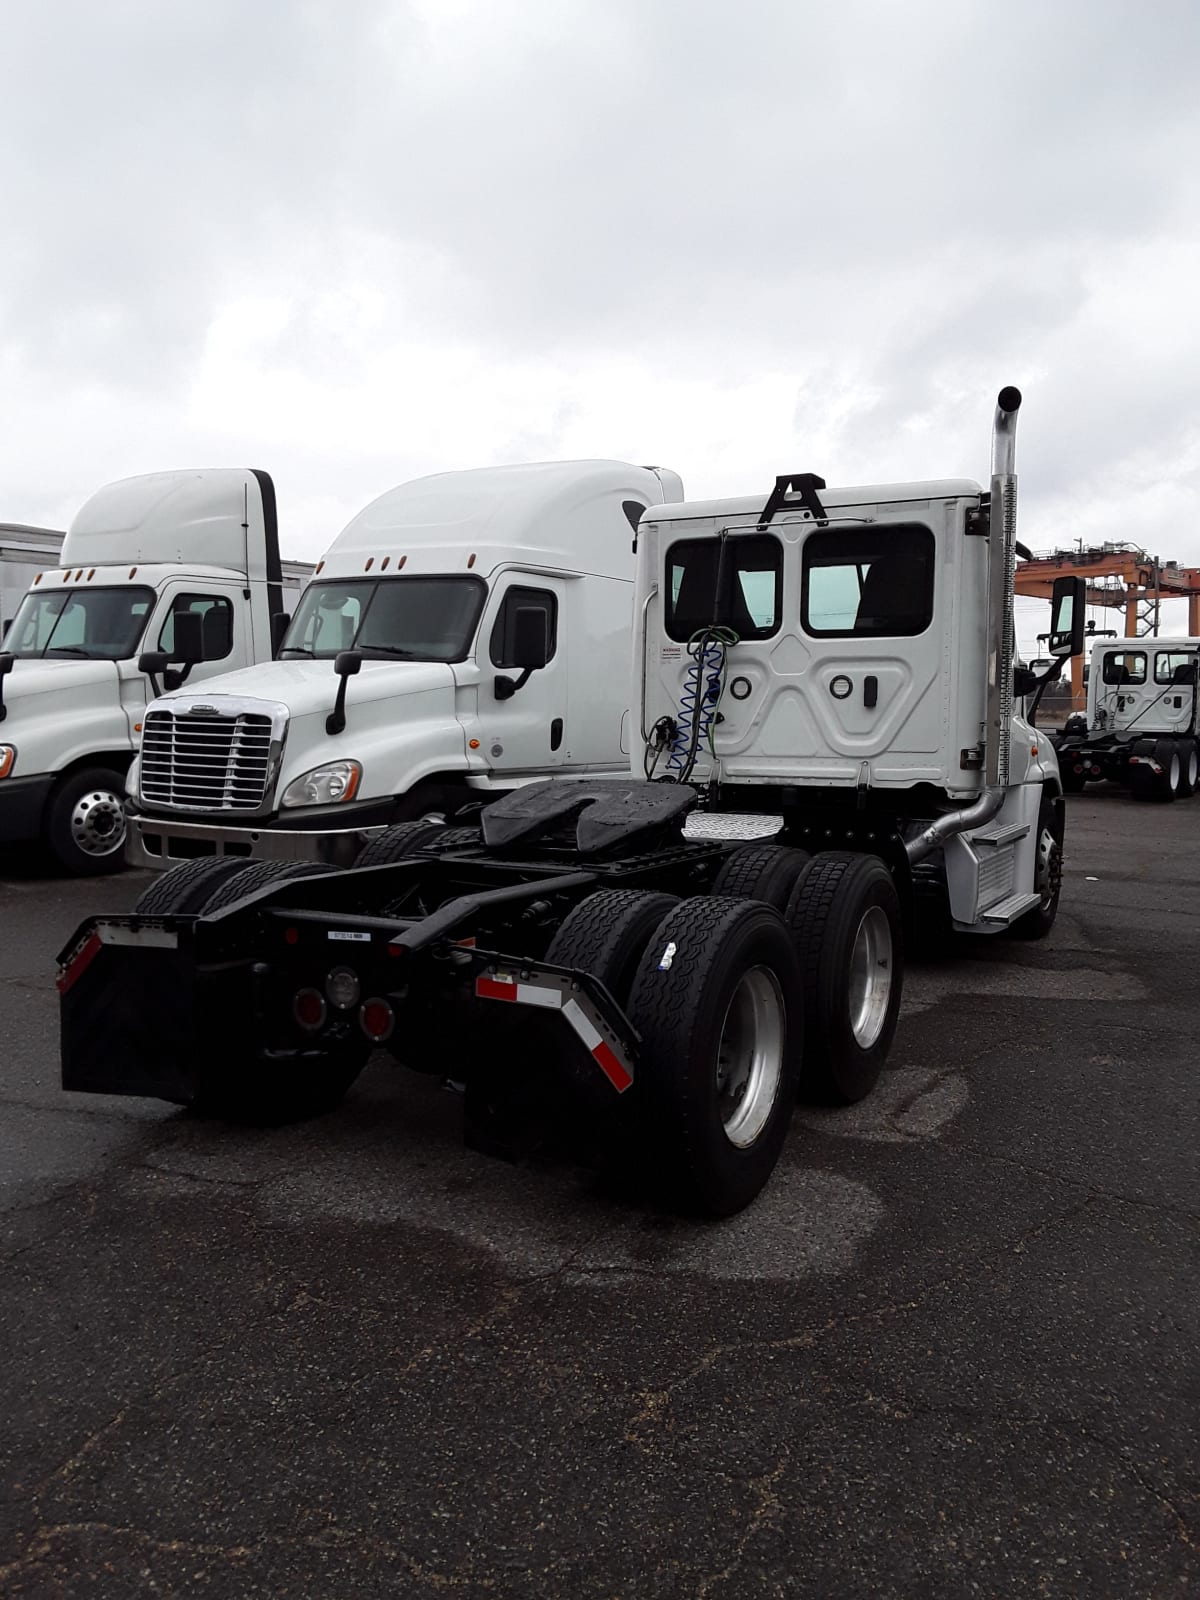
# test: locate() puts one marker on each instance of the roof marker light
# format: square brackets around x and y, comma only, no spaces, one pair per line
[471,559]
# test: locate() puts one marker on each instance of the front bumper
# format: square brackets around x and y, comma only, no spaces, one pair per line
[161,842]
[22,807]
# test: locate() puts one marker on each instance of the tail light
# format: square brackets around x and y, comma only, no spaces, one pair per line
[377,1019]
[308,1008]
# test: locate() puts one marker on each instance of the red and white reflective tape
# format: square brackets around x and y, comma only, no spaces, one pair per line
[502,986]
[610,1064]
[80,960]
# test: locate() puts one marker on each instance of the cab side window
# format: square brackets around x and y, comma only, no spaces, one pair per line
[501,647]
[1175,666]
[216,622]
[868,583]
[1125,668]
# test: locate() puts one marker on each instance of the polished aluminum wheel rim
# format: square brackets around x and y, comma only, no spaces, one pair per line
[1193,769]
[98,823]
[870,977]
[1175,772]
[1044,884]
[750,1056]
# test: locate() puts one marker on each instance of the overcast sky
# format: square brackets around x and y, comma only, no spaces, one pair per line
[360,240]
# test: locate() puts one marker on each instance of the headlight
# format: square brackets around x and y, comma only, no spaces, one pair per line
[324,786]
[8,754]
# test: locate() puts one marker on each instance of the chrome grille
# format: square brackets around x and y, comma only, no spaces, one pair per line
[206,761]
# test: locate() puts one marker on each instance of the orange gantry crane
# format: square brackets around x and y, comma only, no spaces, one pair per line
[1118,576]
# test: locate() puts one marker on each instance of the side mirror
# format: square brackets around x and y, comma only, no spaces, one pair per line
[152,662]
[1067,619]
[347,664]
[1181,675]
[189,638]
[531,639]
[279,627]
[7,662]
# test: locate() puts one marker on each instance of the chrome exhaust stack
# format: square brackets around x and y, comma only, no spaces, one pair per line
[1002,571]
[1002,644]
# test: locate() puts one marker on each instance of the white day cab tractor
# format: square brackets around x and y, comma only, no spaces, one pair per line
[161,579]
[465,634]
[578,960]
[1141,726]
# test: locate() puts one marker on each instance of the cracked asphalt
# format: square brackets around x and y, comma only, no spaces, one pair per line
[952,1351]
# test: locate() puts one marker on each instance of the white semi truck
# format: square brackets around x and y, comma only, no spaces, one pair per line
[24,552]
[168,577]
[401,689]
[842,658]
[1142,727]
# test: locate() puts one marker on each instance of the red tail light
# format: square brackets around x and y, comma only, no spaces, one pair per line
[309,1010]
[377,1019]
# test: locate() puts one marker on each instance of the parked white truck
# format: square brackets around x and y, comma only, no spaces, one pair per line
[408,684]
[168,577]
[1142,727]
[24,552]
[842,658]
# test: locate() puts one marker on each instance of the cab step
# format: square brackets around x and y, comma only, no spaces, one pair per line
[1007,912]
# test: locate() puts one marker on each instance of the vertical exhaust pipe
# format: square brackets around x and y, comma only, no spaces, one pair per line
[1001,633]
[1002,644]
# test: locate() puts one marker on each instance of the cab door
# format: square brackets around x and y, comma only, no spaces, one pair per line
[523,731]
[1175,688]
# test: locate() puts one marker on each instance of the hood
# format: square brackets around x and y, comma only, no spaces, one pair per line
[59,675]
[308,687]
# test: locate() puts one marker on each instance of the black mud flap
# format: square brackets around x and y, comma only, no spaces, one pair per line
[135,1015]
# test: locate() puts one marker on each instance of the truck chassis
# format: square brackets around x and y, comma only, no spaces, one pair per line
[577,962]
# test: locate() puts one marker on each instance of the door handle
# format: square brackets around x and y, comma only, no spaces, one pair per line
[870,691]
[556,733]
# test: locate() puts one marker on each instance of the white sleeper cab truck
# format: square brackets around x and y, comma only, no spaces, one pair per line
[1141,725]
[161,579]
[466,633]
[24,552]
[581,962]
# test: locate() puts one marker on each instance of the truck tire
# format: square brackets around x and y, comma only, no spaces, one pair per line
[766,872]
[185,888]
[1146,784]
[1048,873]
[85,822]
[1189,761]
[715,998]
[257,876]
[395,843]
[450,838]
[844,916]
[606,934]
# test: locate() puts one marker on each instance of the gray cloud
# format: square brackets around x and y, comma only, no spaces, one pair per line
[361,240]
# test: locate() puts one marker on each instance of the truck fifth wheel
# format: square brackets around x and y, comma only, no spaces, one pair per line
[843,659]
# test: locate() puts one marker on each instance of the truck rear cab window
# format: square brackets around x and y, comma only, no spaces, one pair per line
[1175,666]
[1126,667]
[502,646]
[749,571]
[216,623]
[868,582]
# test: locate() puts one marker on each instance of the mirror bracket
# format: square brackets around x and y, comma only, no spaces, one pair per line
[505,687]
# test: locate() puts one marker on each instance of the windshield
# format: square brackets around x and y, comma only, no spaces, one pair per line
[101,624]
[409,619]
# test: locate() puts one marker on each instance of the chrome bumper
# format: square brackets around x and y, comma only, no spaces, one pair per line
[161,842]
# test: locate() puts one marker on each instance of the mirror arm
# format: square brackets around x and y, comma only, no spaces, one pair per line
[505,688]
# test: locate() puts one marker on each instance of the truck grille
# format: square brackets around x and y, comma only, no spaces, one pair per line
[202,761]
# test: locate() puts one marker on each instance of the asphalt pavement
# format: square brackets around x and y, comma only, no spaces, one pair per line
[951,1351]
